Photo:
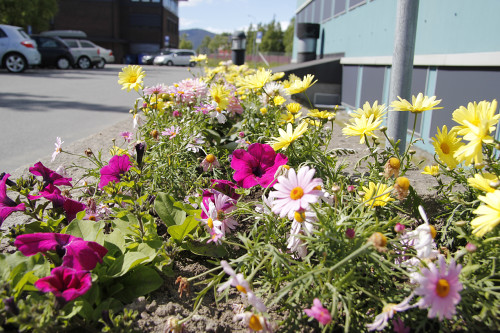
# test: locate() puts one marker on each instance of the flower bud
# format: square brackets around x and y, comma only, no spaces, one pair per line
[470,247]
[350,233]
[379,241]
[89,152]
[399,228]
[140,147]
[383,128]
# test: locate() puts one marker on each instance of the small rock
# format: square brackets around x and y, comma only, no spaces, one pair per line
[151,307]
[144,315]
[173,308]
[197,318]
[211,326]
[139,304]
[161,311]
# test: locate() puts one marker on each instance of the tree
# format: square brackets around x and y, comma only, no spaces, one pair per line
[288,37]
[24,13]
[220,42]
[272,39]
[185,43]
[204,46]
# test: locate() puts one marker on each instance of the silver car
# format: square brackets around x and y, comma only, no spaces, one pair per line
[17,49]
[85,52]
[176,58]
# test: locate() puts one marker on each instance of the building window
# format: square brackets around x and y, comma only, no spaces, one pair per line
[339,7]
[327,10]
[355,3]
[317,10]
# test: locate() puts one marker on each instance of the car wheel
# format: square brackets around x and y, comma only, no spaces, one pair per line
[192,64]
[62,63]
[15,63]
[101,64]
[170,63]
[84,63]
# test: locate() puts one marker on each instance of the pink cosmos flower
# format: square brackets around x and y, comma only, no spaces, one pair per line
[211,222]
[113,172]
[215,236]
[204,108]
[7,205]
[388,312]
[295,192]
[222,206]
[155,90]
[49,176]
[256,166]
[255,322]
[75,252]
[176,113]
[65,283]
[171,132]
[234,106]
[242,285]
[58,148]
[190,90]
[439,288]
[127,136]
[318,312]
[210,162]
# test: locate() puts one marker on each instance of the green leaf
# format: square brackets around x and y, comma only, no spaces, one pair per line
[88,230]
[125,263]
[178,232]
[207,249]
[168,211]
[139,282]
[115,243]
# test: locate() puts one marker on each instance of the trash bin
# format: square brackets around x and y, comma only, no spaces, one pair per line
[238,47]
[307,33]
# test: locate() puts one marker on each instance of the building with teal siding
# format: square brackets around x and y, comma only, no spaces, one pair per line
[457,52]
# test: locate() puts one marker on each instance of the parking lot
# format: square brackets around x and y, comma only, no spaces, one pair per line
[41,104]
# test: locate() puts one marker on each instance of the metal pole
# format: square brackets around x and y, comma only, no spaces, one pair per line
[402,67]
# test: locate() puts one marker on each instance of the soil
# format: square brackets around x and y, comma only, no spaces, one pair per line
[156,308]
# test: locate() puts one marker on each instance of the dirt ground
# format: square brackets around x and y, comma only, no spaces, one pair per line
[154,309]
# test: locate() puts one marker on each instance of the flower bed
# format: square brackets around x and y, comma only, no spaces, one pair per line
[224,173]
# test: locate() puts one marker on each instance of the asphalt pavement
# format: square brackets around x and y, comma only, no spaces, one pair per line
[41,104]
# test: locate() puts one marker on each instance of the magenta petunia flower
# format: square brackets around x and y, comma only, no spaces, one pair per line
[51,193]
[439,288]
[113,172]
[65,283]
[256,166]
[225,187]
[72,207]
[7,205]
[318,312]
[75,252]
[49,176]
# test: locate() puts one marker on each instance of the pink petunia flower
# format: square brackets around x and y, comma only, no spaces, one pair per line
[58,148]
[242,285]
[256,166]
[295,192]
[439,288]
[75,252]
[7,205]
[113,172]
[49,176]
[318,312]
[65,283]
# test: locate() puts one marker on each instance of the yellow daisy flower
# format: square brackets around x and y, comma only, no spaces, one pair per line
[472,152]
[483,181]
[299,86]
[377,110]
[377,194]
[131,77]
[199,58]
[289,117]
[291,79]
[489,214]
[277,76]
[315,113]
[313,122]
[446,144]
[286,138]
[220,95]
[432,170]
[474,114]
[293,107]
[419,104]
[362,126]
[255,81]
[279,100]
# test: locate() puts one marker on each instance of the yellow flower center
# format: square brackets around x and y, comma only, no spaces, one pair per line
[394,163]
[210,158]
[220,214]
[210,223]
[92,218]
[286,166]
[318,188]
[299,216]
[254,323]
[241,289]
[59,150]
[403,183]
[218,109]
[297,193]
[132,79]
[445,148]
[389,308]
[433,231]
[442,288]
[217,99]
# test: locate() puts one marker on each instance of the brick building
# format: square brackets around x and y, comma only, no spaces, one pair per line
[128,27]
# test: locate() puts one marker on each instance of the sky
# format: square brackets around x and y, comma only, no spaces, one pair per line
[220,16]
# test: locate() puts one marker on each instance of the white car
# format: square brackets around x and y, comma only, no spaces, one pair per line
[176,58]
[17,49]
[107,57]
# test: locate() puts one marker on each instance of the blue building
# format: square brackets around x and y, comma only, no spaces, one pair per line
[457,52]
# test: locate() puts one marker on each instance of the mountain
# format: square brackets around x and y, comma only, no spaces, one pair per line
[195,36]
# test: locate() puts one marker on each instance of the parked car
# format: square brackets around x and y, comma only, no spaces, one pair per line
[176,58]
[86,53]
[54,52]
[17,49]
[148,59]
[107,56]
